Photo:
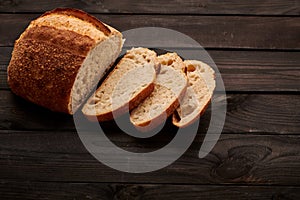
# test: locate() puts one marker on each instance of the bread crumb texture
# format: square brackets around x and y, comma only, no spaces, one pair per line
[201,85]
[131,77]
[153,106]
[170,85]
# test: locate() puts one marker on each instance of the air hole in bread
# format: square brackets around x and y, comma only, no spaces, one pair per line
[99,94]
[169,81]
[94,101]
[202,70]
[193,77]
[170,62]
[191,68]
[130,57]
[176,115]
[163,71]
[84,80]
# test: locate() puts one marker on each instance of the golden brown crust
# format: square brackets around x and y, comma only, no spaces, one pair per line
[46,60]
[81,15]
[135,101]
[68,40]
[44,65]
[43,73]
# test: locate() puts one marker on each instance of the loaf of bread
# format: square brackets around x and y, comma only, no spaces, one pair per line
[170,86]
[131,81]
[60,57]
[201,78]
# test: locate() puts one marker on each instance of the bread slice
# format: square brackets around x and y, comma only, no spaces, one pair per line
[60,57]
[131,81]
[201,78]
[170,86]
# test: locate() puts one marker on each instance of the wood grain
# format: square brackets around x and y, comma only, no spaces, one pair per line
[209,31]
[254,113]
[19,114]
[250,71]
[5,55]
[82,191]
[221,57]
[243,71]
[236,159]
[249,78]
[198,7]
[3,78]
[255,44]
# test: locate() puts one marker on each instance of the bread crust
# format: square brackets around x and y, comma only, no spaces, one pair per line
[70,41]
[81,15]
[46,60]
[43,68]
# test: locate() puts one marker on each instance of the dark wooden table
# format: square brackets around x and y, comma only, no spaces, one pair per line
[255,45]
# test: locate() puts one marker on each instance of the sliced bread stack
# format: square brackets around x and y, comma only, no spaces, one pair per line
[170,86]
[181,88]
[172,96]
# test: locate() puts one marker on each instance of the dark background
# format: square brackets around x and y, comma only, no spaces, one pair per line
[255,45]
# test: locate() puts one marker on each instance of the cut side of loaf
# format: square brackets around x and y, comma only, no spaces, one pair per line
[170,86]
[201,78]
[60,57]
[131,81]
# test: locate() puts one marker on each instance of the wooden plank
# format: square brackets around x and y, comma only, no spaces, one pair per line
[236,159]
[209,31]
[3,79]
[5,55]
[222,57]
[258,71]
[198,7]
[19,114]
[66,191]
[243,78]
[246,71]
[254,113]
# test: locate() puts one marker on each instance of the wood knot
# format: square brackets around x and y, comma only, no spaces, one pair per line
[129,192]
[240,161]
[93,2]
